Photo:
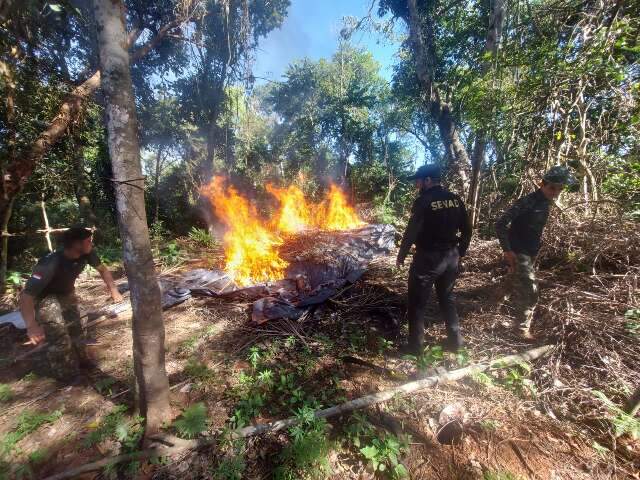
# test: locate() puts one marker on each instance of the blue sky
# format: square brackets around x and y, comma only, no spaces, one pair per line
[312,30]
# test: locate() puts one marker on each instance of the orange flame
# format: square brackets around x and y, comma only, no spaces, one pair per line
[250,248]
[335,213]
[251,244]
[294,215]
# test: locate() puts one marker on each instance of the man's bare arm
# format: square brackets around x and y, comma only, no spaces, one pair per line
[28,311]
[111,285]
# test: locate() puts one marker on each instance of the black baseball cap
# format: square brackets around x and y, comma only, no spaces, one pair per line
[427,171]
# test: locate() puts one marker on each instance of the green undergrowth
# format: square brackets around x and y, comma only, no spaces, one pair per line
[281,387]
[435,356]
[6,394]
[516,379]
[381,450]
[193,421]
[27,422]
[622,422]
[125,431]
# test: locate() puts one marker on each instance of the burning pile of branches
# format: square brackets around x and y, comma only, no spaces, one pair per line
[252,243]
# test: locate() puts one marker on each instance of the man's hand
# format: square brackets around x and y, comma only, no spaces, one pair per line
[116,296]
[510,259]
[35,334]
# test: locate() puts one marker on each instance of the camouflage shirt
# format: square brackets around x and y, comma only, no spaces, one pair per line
[55,274]
[520,228]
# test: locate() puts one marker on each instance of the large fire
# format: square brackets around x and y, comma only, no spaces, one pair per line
[250,248]
[334,212]
[251,244]
[294,214]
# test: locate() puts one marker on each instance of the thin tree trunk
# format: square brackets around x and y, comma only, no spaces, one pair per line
[492,44]
[9,100]
[148,326]
[87,214]
[477,159]
[45,220]
[156,187]
[4,254]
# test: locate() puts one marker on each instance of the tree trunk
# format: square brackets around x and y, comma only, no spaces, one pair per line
[477,159]
[7,210]
[422,40]
[148,327]
[87,215]
[156,186]
[492,44]
[4,254]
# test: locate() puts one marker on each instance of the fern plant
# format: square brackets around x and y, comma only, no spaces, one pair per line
[193,421]
[201,237]
[28,422]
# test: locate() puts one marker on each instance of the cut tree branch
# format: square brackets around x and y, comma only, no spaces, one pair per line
[178,446]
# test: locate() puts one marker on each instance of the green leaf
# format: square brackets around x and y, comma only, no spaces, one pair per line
[369,452]
[55,7]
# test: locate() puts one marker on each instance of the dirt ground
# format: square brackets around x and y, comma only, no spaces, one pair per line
[510,426]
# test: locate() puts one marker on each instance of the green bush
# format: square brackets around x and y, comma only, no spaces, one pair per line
[623,183]
[307,454]
[201,237]
[5,393]
[115,425]
[193,421]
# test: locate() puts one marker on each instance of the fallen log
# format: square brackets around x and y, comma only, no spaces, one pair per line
[180,446]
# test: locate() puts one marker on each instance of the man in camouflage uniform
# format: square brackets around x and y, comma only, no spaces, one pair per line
[50,308]
[519,231]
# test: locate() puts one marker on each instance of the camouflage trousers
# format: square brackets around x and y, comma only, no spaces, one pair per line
[524,292]
[59,317]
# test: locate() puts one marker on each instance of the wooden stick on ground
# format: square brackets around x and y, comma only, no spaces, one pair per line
[362,402]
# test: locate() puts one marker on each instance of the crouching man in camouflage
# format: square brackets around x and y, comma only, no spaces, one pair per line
[520,233]
[50,308]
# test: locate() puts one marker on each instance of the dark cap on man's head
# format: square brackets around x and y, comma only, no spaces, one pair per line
[75,234]
[427,171]
[559,174]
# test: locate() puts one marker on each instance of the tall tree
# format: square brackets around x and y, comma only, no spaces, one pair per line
[332,103]
[51,41]
[223,42]
[420,18]
[494,32]
[148,326]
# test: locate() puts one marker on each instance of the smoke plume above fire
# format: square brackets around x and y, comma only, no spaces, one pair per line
[251,243]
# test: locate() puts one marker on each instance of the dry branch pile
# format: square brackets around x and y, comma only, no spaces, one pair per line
[591,282]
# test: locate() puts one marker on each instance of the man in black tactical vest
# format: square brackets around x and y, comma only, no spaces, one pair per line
[439,228]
